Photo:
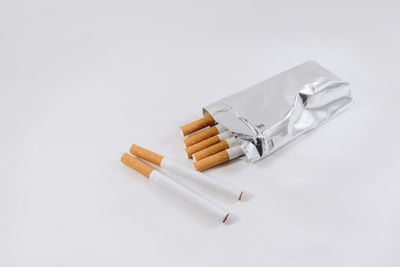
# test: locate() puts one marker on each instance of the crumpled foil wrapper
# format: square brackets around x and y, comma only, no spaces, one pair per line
[274,112]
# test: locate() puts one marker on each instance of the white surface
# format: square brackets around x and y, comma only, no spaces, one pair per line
[80,81]
[192,197]
[202,179]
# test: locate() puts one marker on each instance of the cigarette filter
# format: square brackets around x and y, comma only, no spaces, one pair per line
[208,142]
[224,144]
[203,135]
[181,170]
[177,189]
[218,158]
[197,125]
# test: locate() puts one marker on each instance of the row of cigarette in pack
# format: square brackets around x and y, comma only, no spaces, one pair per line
[209,144]
[137,160]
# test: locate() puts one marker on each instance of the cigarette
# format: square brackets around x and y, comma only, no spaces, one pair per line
[206,143]
[211,150]
[218,158]
[188,173]
[197,125]
[177,189]
[203,135]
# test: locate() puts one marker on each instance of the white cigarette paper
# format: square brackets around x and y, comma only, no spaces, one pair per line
[224,135]
[186,172]
[190,196]
[234,152]
[202,179]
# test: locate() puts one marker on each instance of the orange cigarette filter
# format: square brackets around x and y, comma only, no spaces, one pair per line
[137,165]
[146,154]
[202,145]
[197,125]
[211,150]
[208,142]
[218,158]
[211,161]
[225,143]
[203,135]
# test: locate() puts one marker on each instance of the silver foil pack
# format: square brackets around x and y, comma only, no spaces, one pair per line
[270,114]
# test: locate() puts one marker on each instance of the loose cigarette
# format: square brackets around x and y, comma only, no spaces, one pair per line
[218,158]
[191,140]
[177,189]
[208,142]
[224,144]
[197,125]
[137,165]
[188,173]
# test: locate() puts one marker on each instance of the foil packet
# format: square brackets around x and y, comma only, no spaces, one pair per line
[270,114]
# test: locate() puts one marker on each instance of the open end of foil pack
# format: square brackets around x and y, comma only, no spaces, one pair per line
[274,112]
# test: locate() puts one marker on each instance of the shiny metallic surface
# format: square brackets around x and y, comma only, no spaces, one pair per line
[274,112]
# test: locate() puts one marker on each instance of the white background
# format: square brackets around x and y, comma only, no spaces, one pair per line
[80,81]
